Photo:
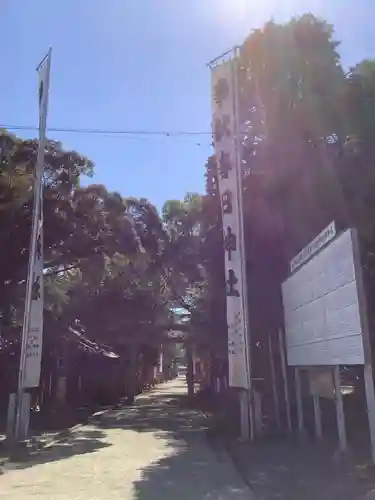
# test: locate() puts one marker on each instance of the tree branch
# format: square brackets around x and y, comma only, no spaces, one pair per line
[58,271]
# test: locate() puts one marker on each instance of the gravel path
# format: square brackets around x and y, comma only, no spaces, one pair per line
[156,450]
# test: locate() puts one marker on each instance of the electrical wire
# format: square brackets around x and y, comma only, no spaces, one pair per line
[165,133]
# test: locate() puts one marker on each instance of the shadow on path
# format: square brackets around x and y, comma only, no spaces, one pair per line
[151,413]
[189,468]
[78,442]
[188,474]
[160,411]
[154,450]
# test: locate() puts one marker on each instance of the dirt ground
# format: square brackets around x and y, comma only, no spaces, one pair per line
[282,469]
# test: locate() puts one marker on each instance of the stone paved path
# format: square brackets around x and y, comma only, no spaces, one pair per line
[156,450]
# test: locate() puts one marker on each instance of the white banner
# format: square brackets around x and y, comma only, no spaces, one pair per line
[35,330]
[33,355]
[225,129]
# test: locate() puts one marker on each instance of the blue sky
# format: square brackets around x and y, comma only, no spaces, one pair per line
[141,65]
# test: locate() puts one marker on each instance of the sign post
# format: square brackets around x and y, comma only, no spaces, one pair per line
[340,416]
[301,423]
[321,386]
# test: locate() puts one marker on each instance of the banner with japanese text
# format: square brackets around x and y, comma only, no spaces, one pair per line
[226,142]
[34,320]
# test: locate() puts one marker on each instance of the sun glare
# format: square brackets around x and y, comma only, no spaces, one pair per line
[252,12]
[243,12]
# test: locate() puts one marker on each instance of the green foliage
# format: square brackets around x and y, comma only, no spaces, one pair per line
[100,250]
[360,102]
[182,257]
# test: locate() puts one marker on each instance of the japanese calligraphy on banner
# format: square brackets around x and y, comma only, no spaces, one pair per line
[225,133]
[35,330]
[34,316]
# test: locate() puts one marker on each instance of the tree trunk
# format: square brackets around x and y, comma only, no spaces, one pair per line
[190,371]
[132,374]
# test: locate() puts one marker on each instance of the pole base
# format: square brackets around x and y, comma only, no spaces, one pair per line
[18,418]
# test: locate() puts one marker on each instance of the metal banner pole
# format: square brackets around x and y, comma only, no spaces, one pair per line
[285,380]
[274,386]
[241,227]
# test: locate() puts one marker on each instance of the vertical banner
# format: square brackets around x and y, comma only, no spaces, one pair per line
[33,321]
[35,327]
[226,141]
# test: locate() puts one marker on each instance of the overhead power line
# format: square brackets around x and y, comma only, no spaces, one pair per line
[165,133]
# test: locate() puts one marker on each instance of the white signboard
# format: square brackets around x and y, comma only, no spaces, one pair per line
[224,131]
[321,309]
[317,243]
